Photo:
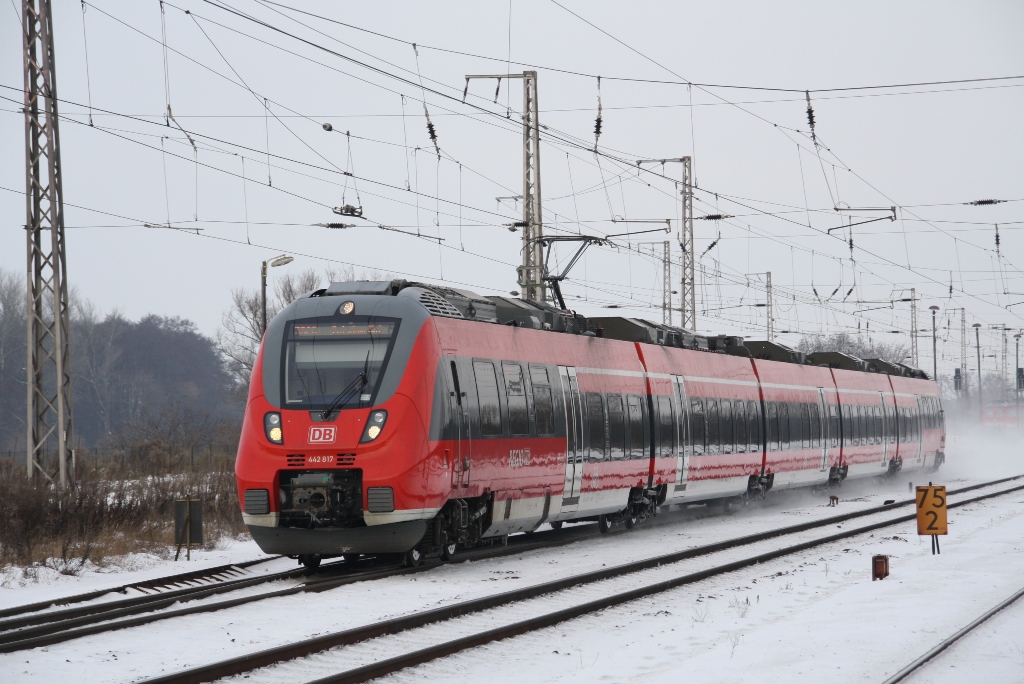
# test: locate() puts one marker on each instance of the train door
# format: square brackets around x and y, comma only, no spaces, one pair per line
[461,448]
[823,427]
[885,431]
[683,447]
[573,438]
[918,424]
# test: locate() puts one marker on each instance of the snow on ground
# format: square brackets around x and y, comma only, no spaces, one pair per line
[994,652]
[813,616]
[20,586]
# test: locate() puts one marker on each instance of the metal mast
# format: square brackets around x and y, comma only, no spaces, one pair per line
[688,289]
[688,293]
[768,308]
[963,348]
[666,285]
[49,421]
[531,273]
[913,327]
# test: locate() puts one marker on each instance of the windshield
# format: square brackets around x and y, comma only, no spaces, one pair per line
[324,356]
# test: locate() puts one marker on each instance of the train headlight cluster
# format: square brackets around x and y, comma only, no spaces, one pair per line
[272,427]
[374,426]
[346,308]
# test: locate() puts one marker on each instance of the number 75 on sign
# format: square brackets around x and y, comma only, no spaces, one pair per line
[931,510]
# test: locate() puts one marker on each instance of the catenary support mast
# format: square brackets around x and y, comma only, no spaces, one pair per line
[688,289]
[531,272]
[49,420]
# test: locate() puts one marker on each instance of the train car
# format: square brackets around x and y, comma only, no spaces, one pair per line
[405,418]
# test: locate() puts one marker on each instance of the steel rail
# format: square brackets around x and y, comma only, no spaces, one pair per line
[249,662]
[184,577]
[142,603]
[58,626]
[949,641]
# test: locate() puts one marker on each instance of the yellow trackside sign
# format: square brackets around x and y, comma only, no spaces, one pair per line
[931,510]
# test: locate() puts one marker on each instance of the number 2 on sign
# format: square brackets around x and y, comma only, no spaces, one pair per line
[931,510]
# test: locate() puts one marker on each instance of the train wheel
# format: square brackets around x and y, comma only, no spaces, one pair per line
[603,525]
[630,522]
[557,525]
[413,558]
[448,551]
[311,561]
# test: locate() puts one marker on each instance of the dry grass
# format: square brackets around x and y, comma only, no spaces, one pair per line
[116,508]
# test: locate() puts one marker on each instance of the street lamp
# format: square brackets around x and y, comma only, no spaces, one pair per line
[935,354]
[279,260]
[977,346]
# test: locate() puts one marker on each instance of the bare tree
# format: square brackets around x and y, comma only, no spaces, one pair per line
[240,334]
[856,345]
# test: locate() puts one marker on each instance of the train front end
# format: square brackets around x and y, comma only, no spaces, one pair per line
[335,456]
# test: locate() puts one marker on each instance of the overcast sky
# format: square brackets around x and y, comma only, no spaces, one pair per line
[247,93]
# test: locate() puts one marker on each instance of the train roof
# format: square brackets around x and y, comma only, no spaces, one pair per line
[448,302]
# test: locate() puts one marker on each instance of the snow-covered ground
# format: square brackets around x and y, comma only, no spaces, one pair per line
[808,617]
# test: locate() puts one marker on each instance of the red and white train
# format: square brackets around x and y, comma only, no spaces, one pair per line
[395,417]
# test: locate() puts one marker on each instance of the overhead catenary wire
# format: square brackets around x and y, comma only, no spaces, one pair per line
[605,187]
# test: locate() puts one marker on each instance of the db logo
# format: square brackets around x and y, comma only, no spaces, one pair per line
[322,435]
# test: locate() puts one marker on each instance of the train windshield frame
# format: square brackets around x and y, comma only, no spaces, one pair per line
[323,357]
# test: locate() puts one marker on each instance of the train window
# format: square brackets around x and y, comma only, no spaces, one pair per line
[815,421]
[878,425]
[666,428]
[727,427]
[833,425]
[714,427]
[539,375]
[596,427]
[773,425]
[894,426]
[754,421]
[805,426]
[698,426]
[858,424]
[543,410]
[635,412]
[784,429]
[515,394]
[741,427]
[616,427]
[487,396]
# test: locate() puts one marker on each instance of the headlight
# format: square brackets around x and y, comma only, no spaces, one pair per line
[374,426]
[346,308]
[272,427]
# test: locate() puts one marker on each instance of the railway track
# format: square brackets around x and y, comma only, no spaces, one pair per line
[919,663]
[435,645]
[31,628]
[206,577]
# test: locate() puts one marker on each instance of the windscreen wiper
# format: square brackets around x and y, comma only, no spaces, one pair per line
[343,396]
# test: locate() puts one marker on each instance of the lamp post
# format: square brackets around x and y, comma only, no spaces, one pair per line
[977,346]
[279,260]
[935,353]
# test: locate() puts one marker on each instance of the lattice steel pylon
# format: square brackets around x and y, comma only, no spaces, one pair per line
[688,289]
[688,293]
[531,272]
[913,327]
[49,359]
[666,284]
